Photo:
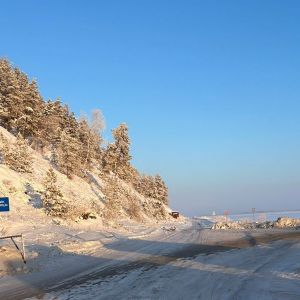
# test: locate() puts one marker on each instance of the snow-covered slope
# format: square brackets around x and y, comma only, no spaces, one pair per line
[85,195]
[189,263]
[46,236]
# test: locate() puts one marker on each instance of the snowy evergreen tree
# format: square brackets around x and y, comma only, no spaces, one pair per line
[116,157]
[54,157]
[69,159]
[28,123]
[151,187]
[10,95]
[52,198]
[113,198]
[4,148]
[90,138]
[18,157]
[161,190]
[75,145]
[20,101]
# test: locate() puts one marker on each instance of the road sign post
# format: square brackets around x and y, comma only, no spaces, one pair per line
[226,214]
[4,204]
[4,207]
[253,213]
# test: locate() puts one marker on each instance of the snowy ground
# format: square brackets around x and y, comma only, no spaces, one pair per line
[189,263]
[257,217]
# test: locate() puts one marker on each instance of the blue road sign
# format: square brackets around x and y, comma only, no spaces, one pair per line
[4,204]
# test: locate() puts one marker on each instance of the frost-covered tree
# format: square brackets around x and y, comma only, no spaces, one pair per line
[51,123]
[116,157]
[54,157]
[97,123]
[52,198]
[69,159]
[10,95]
[151,187]
[28,123]
[4,148]
[18,156]
[20,101]
[75,144]
[113,198]
[90,137]
[109,158]
[161,190]
[88,150]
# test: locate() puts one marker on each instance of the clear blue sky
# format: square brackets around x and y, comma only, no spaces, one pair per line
[209,89]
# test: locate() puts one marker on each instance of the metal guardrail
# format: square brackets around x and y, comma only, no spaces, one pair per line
[22,252]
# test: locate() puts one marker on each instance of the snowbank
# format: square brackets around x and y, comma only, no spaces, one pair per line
[282,222]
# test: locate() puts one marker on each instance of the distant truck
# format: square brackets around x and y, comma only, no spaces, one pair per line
[175,214]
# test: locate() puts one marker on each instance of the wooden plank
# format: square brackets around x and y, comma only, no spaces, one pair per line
[23,248]
[10,236]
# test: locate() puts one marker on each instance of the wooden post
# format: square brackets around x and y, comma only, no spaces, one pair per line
[253,213]
[23,248]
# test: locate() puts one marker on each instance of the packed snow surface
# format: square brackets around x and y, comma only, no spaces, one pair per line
[190,262]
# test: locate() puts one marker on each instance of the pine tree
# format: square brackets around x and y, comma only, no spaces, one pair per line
[10,95]
[161,190]
[28,123]
[69,159]
[54,157]
[18,157]
[90,144]
[51,121]
[75,144]
[116,157]
[151,187]
[20,101]
[89,135]
[109,159]
[113,197]
[52,198]
[4,148]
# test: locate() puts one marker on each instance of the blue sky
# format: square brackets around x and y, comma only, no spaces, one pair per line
[210,89]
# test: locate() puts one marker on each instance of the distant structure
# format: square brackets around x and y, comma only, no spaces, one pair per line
[175,214]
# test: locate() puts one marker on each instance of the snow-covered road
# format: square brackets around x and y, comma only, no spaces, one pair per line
[189,263]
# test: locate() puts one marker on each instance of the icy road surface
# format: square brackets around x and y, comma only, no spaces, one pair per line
[189,263]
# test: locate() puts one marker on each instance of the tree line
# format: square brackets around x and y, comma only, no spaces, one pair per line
[76,144]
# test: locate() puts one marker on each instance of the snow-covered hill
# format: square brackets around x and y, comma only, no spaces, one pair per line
[86,196]
[88,200]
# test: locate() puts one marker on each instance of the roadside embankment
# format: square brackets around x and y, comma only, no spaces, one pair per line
[281,223]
